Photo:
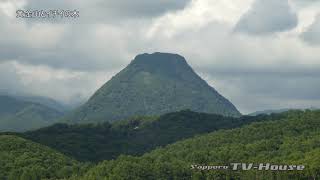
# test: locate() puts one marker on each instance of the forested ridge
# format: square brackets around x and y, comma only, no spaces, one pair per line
[21,159]
[134,136]
[288,138]
[293,139]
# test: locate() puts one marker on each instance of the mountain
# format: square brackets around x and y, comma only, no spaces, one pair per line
[276,111]
[135,136]
[291,140]
[51,103]
[23,159]
[270,111]
[46,101]
[152,84]
[20,115]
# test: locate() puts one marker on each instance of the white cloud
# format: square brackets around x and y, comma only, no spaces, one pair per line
[9,8]
[112,11]
[199,13]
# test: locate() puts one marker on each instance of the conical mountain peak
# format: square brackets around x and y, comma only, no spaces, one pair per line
[165,63]
[159,57]
[153,84]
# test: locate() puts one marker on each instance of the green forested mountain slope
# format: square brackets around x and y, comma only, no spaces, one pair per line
[19,115]
[134,136]
[152,84]
[294,139]
[21,159]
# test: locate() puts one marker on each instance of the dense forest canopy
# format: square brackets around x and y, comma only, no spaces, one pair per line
[294,139]
[133,136]
[22,159]
[290,138]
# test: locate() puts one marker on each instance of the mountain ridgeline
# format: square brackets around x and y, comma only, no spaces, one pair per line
[152,84]
[134,136]
[289,138]
[17,114]
[293,139]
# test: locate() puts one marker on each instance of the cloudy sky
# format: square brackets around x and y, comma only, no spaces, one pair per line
[260,54]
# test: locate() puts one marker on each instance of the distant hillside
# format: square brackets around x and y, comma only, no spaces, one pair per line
[269,111]
[275,111]
[46,101]
[291,140]
[134,136]
[25,160]
[152,84]
[53,104]
[20,115]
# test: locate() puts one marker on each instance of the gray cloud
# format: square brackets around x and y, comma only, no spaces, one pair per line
[142,8]
[312,34]
[267,16]
[98,40]
[253,91]
[112,11]
[304,3]
[63,46]
[9,79]
[65,86]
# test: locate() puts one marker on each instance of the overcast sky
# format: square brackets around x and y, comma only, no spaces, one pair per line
[260,54]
